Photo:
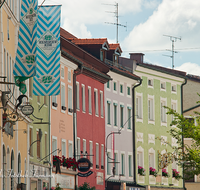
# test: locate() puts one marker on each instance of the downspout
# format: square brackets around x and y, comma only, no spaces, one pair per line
[133,130]
[74,113]
[182,135]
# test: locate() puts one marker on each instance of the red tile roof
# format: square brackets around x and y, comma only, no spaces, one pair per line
[114,47]
[88,41]
[66,34]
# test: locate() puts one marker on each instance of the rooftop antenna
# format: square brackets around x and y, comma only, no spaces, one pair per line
[173,39]
[117,22]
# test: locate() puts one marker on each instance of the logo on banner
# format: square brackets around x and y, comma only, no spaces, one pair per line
[48,43]
[28,59]
[49,79]
[30,17]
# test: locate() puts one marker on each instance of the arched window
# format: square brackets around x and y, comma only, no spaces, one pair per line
[19,168]
[4,167]
[12,169]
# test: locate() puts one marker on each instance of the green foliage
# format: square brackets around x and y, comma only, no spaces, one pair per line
[187,156]
[86,186]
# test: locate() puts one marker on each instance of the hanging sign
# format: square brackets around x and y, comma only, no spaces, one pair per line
[27,109]
[85,174]
[84,164]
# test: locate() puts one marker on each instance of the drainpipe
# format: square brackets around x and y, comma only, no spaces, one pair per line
[79,71]
[182,135]
[133,130]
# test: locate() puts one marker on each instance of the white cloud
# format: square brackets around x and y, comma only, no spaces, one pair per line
[172,17]
[190,68]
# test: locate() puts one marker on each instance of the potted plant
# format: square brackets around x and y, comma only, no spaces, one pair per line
[165,173]
[69,163]
[86,186]
[141,171]
[152,171]
[176,174]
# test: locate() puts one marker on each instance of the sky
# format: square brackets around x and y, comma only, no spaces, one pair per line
[149,25]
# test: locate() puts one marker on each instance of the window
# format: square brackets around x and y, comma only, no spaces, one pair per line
[102,156]
[128,91]
[151,160]
[83,98]
[70,149]
[77,96]
[91,152]
[69,75]
[78,148]
[151,108]
[140,158]
[69,97]
[101,102]
[97,155]
[96,102]
[163,111]
[101,55]
[130,167]
[173,107]
[63,147]
[30,141]
[173,88]
[108,112]
[123,164]
[150,82]
[38,146]
[89,100]
[108,84]
[84,147]
[129,117]
[116,164]
[114,86]
[108,164]
[121,88]
[63,96]
[163,85]
[139,107]
[122,115]
[115,114]
[54,146]
[62,72]
[54,101]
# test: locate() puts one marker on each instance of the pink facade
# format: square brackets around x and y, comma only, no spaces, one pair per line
[91,128]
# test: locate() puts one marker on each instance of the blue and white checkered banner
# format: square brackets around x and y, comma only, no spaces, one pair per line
[47,79]
[25,65]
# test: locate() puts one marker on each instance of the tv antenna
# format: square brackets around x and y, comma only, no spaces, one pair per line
[117,22]
[173,39]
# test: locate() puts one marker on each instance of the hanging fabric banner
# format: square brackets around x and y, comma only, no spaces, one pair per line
[47,79]
[25,64]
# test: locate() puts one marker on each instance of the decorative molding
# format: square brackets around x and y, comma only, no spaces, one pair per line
[151,138]
[139,137]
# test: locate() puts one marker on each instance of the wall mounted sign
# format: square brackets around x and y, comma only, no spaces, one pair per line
[84,164]
[27,109]
[85,174]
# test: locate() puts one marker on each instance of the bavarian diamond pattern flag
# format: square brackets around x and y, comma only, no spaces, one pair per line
[25,64]
[47,79]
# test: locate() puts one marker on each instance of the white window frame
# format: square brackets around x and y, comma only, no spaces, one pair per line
[69,73]
[91,152]
[70,148]
[115,104]
[70,99]
[90,99]
[152,109]
[78,147]
[123,164]
[163,111]
[130,166]
[84,147]
[108,89]
[152,153]
[63,97]
[77,96]
[63,142]
[62,74]
[162,83]
[139,107]
[116,164]
[54,99]
[129,96]
[140,153]
[152,82]
[108,165]
[121,93]
[108,102]
[97,155]
[102,156]
[96,105]
[115,91]
[173,104]
[129,118]
[122,117]
[83,97]
[174,91]
[101,103]
[54,138]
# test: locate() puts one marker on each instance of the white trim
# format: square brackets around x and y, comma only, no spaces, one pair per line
[121,93]
[151,97]
[139,137]
[151,138]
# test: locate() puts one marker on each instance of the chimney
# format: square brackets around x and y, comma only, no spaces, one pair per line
[138,57]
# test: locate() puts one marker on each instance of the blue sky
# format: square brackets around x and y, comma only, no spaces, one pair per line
[147,22]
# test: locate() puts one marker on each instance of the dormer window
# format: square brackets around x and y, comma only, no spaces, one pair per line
[115,58]
[102,55]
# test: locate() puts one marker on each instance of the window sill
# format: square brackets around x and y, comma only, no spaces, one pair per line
[151,122]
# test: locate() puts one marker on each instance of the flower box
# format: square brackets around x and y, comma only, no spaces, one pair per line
[141,171]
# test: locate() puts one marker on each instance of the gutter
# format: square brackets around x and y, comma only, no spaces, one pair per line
[133,130]
[182,136]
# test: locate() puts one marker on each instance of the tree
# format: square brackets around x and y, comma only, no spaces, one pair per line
[187,156]
[86,186]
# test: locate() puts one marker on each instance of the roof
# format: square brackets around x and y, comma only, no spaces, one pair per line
[66,34]
[193,77]
[86,41]
[115,47]
[163,69]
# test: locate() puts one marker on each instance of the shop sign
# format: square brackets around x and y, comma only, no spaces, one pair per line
[85,174]
[27,109]
[84,164]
